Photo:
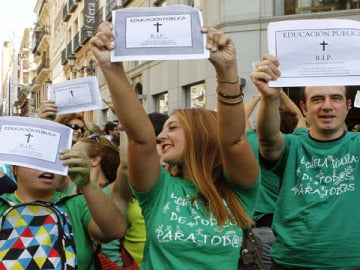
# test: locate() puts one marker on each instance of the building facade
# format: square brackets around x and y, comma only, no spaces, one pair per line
[26,72]
[64,28]
[8,78]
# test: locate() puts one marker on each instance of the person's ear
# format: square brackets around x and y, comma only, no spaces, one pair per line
[349,104]
[95,161]
[303,107]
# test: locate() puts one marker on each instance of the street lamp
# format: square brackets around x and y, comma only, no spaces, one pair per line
[90,70]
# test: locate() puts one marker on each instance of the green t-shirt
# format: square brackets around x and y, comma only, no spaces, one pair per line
[80,218]
[269,189]
[6,169]
[316,221]
[182,234]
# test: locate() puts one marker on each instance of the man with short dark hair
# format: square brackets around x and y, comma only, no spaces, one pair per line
[315,222]
[111,132]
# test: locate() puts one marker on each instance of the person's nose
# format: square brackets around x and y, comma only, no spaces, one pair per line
[161,137]
[327,105]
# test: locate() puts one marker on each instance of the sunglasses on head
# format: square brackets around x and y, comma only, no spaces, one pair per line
[76,127]
[94,137]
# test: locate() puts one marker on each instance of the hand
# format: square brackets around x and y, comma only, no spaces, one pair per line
[102,43]
[48,109]
[267,70]
[222,52]
[79,166]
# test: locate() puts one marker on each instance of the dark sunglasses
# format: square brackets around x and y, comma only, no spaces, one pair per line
[94,137]
[76,127]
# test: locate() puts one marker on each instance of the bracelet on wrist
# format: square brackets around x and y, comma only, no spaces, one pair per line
[231,101]
[221,94]
[230,82]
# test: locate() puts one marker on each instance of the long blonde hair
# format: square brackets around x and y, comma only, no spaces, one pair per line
[202,159]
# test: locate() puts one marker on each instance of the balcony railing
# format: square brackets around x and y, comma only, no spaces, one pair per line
[66,13]
[34,36]
[76,42]
[41,33]
[63,57]
[72,5]
[44,65]
[69,50]
[86,34]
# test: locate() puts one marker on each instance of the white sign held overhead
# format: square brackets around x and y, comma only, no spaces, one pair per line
[159,33]
[316,52]
[357,99]
[78,95]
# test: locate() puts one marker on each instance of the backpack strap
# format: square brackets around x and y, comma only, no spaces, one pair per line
[6,200]
[56,202]
[64,198]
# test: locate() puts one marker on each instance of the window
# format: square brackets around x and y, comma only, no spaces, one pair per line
[139,89]
[289,7]
[197,95]
[162,102]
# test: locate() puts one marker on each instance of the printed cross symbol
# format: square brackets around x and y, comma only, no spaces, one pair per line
[157,26]
[323,44]
[28,137]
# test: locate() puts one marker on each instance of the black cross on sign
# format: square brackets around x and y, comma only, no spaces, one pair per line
[72,92]
[157,26]
[324,44]
[28,137]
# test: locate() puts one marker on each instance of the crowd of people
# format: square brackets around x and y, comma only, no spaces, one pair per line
[178,190]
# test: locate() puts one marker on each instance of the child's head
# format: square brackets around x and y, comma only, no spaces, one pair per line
[101,152]
[35,183]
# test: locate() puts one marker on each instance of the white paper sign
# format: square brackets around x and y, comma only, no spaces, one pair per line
[357,99]
[161,33]
[73,95]
[140,33]
[316,52]
[34,143]
[30,142]
[78,95]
